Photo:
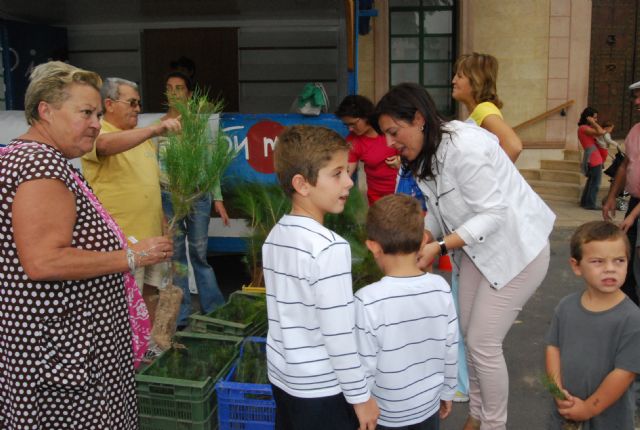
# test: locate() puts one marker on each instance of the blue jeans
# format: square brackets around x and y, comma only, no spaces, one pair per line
[589,199]
[194,227]
[463,372]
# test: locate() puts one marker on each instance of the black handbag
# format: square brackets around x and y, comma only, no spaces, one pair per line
[615,164]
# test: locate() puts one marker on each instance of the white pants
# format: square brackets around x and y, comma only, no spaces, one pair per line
[486,315]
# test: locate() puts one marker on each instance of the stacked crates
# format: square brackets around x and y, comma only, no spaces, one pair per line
[177,391]
[247,405]
[251,321]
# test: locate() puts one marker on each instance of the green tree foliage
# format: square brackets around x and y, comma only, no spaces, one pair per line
[264,204]
[195,160]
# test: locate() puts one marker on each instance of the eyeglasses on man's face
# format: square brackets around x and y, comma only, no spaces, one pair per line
[133,103]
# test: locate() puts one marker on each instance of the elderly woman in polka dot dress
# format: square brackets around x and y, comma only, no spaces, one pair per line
[71,323]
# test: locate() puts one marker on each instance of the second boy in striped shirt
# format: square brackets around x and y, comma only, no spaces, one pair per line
[407,327]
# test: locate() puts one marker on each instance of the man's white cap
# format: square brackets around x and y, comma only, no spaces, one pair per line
[635,86]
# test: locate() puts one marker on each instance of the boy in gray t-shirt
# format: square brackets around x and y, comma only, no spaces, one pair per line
[593,344]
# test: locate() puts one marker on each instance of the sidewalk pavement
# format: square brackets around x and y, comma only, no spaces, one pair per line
[529,403]
[571,215]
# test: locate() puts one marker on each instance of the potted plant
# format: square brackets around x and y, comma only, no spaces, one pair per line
[195,161]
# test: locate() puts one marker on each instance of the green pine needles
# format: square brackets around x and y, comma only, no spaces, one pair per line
[552,387]
[195,160]
[263,205]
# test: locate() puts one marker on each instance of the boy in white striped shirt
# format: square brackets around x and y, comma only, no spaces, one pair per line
[317,379]
[407,327]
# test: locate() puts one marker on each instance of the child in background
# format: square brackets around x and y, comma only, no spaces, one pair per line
[313,365]
[380,161]
[605,141]
[406,323]
[593,344]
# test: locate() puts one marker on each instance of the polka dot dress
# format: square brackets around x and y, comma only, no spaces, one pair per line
[65,347]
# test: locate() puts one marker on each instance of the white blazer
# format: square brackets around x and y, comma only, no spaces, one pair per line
[478,193]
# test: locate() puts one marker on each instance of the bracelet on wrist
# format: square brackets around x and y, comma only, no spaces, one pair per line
[131,260]
[443,247]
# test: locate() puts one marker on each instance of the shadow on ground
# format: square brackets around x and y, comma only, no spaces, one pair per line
[529,403]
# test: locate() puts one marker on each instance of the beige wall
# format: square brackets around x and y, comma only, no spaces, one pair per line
[366,66]
[543,47]
[517,34]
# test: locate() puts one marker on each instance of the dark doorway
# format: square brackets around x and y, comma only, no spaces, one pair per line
[214,52]
[615,61]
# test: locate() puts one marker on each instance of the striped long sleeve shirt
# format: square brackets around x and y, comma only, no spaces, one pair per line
[407,333]
[311,344]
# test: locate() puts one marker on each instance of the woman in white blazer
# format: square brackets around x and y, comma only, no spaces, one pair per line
[478,205]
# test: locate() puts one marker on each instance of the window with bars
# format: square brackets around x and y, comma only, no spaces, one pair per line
[422,40]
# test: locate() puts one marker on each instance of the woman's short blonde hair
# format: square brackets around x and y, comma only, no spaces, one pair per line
[49,83]
[482,71]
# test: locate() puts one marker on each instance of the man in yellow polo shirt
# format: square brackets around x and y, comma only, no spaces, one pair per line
[123,171]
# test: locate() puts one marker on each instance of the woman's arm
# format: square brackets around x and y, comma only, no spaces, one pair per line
[473,167]
[509,140]
[431,250]
[594,130]
[44,215]
[351,168]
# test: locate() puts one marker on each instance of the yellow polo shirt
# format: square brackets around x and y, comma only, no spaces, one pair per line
[483,110]
[127,185]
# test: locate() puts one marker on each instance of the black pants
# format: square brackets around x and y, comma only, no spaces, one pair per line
[629,286]
[431,423]
[321,413]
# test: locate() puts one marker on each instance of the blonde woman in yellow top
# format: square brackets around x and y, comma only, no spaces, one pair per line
[474,85]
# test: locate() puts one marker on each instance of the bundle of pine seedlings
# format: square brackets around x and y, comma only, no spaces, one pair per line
[195,160]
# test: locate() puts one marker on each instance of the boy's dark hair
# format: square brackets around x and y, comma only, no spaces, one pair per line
[355,106]
[304,150]
[396,223]
[176,74]
[596,231]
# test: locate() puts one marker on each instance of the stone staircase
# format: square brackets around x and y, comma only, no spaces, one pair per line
[561,179]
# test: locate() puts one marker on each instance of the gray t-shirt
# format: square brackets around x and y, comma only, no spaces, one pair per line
[592,344]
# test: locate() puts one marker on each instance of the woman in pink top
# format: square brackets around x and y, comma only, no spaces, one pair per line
[594,158]
[380,161]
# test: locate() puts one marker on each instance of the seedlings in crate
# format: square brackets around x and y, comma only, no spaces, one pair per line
[194,361]
[241,309]
[252,367]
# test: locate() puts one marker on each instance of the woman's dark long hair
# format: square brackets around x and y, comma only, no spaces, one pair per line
[588,111]
[402,102]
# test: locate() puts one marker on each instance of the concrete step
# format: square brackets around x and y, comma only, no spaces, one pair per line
[572,155]
[571,166]
[528,174]
[548,188]
[562,176]
[565,192]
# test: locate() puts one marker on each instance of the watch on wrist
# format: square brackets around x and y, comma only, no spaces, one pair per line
[443,247]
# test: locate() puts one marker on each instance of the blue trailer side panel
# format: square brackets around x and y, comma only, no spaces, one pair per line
[255,136]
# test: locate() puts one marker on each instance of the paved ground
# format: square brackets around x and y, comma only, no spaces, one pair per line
[529,404]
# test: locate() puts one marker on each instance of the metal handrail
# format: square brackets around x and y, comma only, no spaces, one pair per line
[560,108]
